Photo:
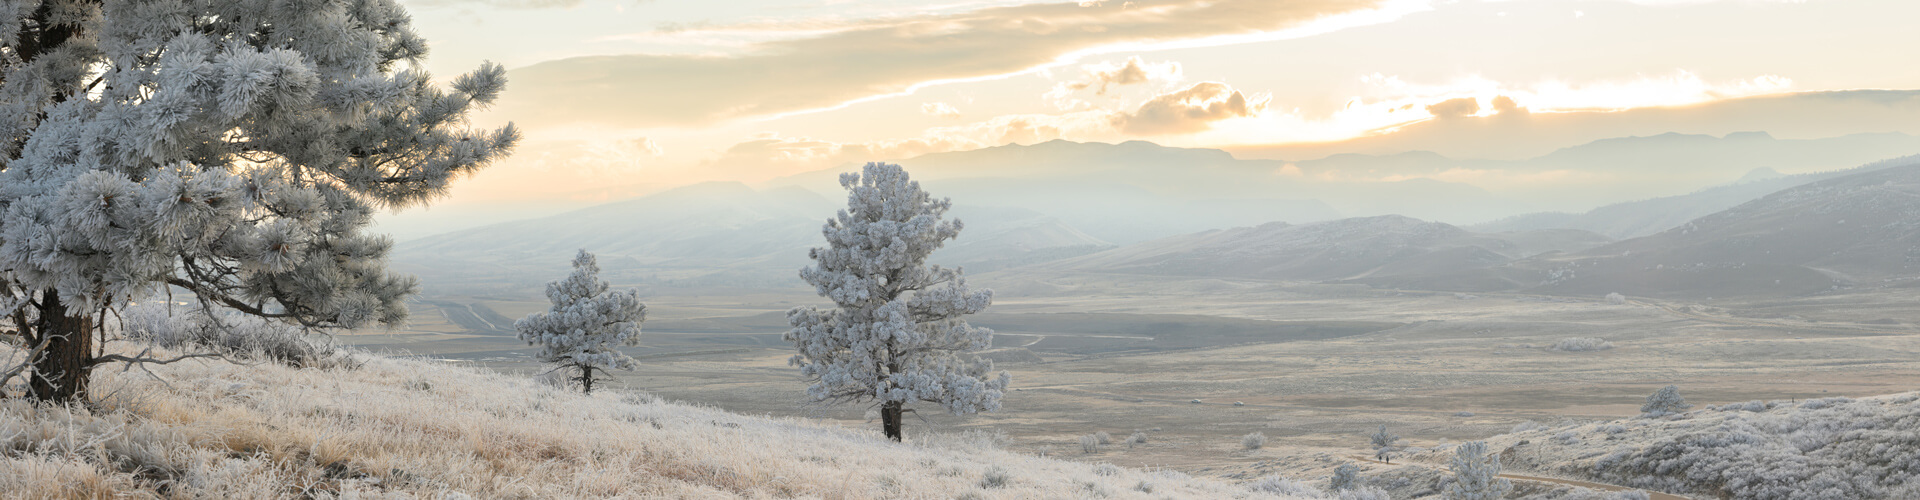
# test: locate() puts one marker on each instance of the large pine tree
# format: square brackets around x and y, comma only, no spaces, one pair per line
[236,149]
[899,329]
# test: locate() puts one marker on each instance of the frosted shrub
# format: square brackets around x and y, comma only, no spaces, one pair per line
[1286,487]
[1567,438]
[230,334]
[1616,299]
[1089,444]
[1526,426]
[1476,474]
[995,478]
[1666,401]
[1105,439]
[1582,344]
[1143,486]
[1364,493]
[1844,450]
[1253,441]
[1612,429]
[1345,477]
[1138,438]
[1106,469]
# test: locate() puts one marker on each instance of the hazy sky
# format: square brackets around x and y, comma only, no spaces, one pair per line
[621,97]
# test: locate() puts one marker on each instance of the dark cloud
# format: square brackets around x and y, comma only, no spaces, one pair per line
[1187,111]
[872,59]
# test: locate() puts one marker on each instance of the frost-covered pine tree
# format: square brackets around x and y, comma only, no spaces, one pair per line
[899,327]
[1666,401]
[587,323]
[233,148]
[1384,444]
[1476,474]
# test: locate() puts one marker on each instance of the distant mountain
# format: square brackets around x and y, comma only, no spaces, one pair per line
[1855,230]
[1640,218]
[1346,249]
[709,234]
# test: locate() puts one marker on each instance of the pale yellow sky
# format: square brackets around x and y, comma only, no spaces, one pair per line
[621,97]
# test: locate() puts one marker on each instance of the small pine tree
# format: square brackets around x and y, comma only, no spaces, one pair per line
[1666,401]
[1476,474]
[1384,444]
[587,323]
[898,332]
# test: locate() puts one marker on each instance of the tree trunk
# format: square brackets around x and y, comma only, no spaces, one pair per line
[61,374]
[586,380]
[890,414]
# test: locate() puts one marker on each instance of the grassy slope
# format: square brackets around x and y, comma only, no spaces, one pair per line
[403,428]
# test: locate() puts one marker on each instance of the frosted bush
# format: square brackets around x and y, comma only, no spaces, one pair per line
[1345,477]
[1364,493]
[1105,439]
[1666,401]
[1286,487]
[1106,469]
[1842,450]
[1526,426]
[1253,441]
[1089,444]
[1567,438]
[1138,438]
[1616,298]
[1476,474]
[1582,344]
[995,478]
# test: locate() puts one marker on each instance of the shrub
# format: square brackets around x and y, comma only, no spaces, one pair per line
[1345,477]
[1364,493]
[1089,443]
[1526,426]
[1143,486]
[1582,344]
[1105,439]
[1666,401]
[995,478]
[1286,487]
[1476,474]
[1253,441]
[1106,469]
[1138,438]
[1616,299]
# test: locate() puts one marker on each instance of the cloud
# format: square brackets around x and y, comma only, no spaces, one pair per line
[1187,111]
[1456,107]
[939,110]
[1102,76]
[893,56]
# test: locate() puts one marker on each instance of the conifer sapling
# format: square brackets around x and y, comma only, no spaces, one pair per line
[586,325]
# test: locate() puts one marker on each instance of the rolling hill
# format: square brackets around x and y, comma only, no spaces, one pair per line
[708,234]
[1347,249]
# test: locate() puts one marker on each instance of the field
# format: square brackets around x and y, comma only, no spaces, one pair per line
[1314,367]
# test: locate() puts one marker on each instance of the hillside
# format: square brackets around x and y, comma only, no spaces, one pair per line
[715,233]
[1347,249]
[395,428]
[1854,230]
[1834,448]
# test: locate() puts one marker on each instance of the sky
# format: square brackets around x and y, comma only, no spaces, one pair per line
[619,98]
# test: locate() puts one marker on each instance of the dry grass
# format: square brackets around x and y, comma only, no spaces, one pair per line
[405,428]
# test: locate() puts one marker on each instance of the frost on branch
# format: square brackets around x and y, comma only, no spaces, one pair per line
[234,148]
[587,323]
[1476,474]
[898,330]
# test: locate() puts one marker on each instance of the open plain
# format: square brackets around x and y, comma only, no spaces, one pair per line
[1314,367]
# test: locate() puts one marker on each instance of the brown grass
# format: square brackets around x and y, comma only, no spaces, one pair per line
[410,428]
